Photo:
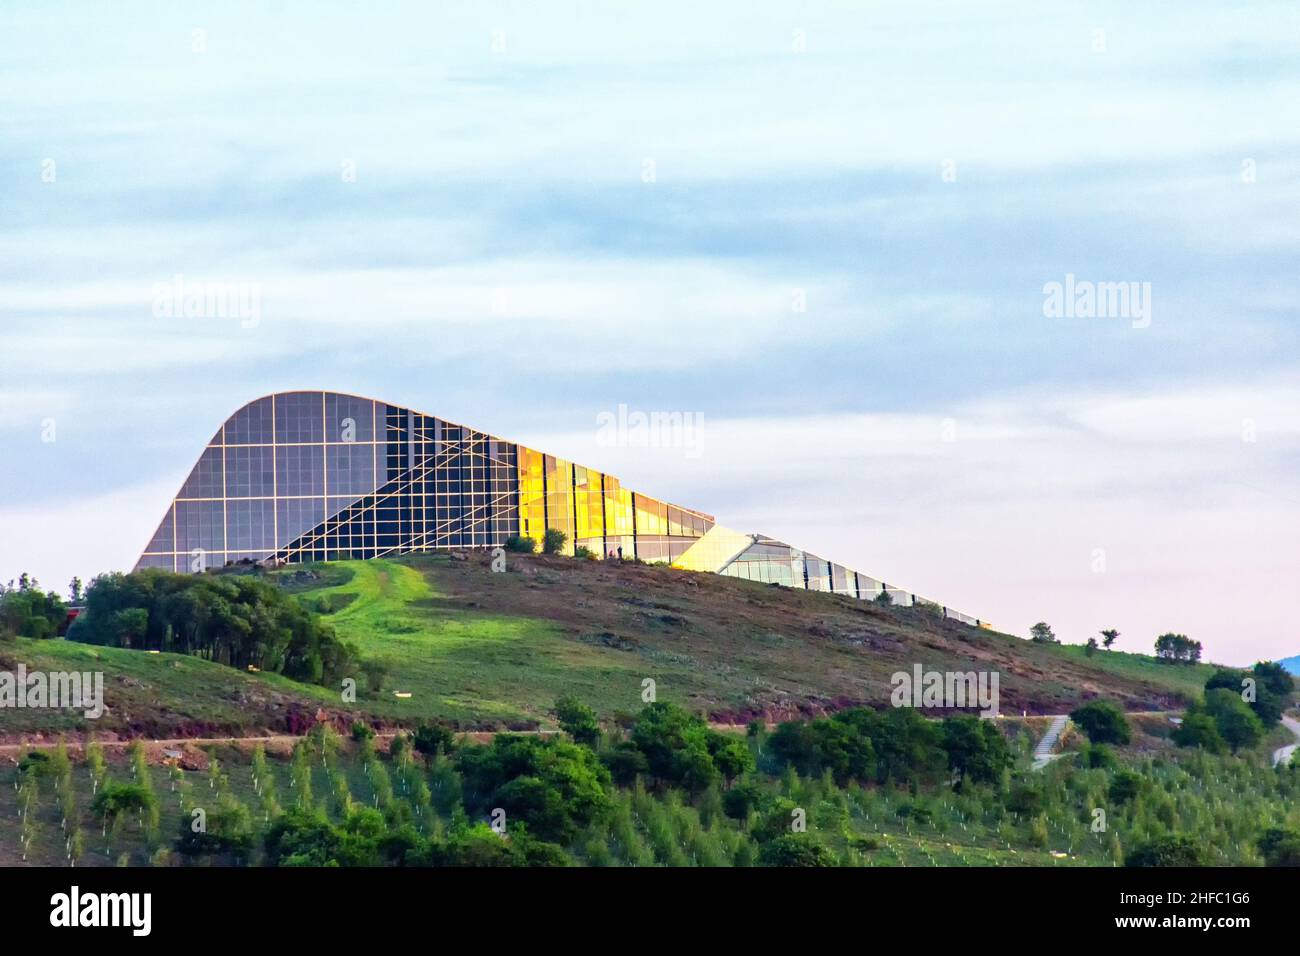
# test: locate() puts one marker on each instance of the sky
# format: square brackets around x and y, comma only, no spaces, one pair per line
[826,231]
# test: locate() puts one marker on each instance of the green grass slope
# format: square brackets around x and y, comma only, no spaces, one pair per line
[495,650]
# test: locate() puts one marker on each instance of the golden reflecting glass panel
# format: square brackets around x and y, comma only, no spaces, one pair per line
[532,494]
[713,551]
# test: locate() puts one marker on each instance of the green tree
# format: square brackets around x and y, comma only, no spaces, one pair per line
[226,829]
[675,745]
[730,755]
[625,763]
[1280,847]
[233,619]
[116,799]
[1102,721]
[1177,649]
[1259,689]
[27,611]
[376,672]
[577,720]
[1198,729]
[556,788]
[1109,637]
[1275,677]
[909,748]
[795,849]
[1236,722]
[1168,850]
[1096,756]
[977,751]
[432,739]
[1124,786]
[1042,633]
[742,800]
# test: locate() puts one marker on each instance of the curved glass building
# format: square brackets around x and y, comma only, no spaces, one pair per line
[318,476]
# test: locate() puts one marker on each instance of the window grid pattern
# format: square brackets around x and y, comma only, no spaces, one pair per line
[307,476]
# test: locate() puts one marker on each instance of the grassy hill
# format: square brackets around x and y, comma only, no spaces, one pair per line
[489,650]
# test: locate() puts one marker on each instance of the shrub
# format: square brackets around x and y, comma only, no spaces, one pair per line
[36,762]
[376,672]
[1271,688]
[1103,722]
[1096,756]
[977,751]
[577,720]
[521,544]
[625,763]
[1169,850]
[229,829]
[1199,730]
[836,744]
[1124,786]
[553,541]
[432,739]
[742,800]
[1235,721]
[555,787]
[584,552]
[915,810]
[27,611]
[118,798]
[1025,799]
[1042,633]
[676,746]
[730,755]
[1280,847]
[795,850]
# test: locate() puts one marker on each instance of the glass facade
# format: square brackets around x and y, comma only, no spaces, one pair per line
[311,476]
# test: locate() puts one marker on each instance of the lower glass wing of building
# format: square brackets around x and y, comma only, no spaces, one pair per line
[317,476]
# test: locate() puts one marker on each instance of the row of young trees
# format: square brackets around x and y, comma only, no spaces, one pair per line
[696,796]
[1170,648]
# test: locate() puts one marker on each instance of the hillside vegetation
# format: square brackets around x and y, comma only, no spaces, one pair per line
[488,650]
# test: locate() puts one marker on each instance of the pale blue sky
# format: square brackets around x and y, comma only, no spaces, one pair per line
[500,260]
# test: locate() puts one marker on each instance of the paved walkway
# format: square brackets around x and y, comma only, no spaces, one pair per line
[1283,754]
[1043,752]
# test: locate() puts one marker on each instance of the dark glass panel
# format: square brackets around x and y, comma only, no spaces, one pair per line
[300,417]
[300,471]
[351,469]
[162,538]
[250,472]
[207,478]
[297,516]
[348,419]
[250,525]
[200,524]
[251,425]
